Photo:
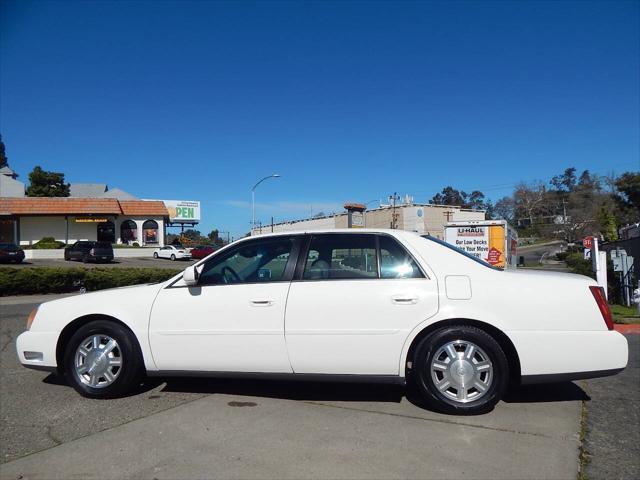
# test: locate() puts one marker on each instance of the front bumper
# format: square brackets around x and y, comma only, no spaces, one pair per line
[37,350]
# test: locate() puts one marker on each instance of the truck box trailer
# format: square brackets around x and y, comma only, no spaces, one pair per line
[493,241]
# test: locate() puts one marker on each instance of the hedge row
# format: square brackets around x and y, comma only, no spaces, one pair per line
[577,264]
[23,281]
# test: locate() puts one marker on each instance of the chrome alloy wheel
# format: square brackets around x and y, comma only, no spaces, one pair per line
[461,371]
[98,361]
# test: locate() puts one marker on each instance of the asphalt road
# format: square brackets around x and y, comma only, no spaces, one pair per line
[533,254]
[195,428]
[613,421]
[144,262]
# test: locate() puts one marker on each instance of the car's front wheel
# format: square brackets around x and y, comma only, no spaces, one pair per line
[103,360]
[460,370]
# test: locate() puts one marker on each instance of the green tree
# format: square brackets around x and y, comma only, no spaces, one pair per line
[214,238]
[3,156]
[47,184]
[608,226]
[628,186]
[449,196]
[504,209]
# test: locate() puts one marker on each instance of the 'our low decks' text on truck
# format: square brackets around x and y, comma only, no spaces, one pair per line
[493,241]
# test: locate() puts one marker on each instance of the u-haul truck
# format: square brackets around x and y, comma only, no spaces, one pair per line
[493,241]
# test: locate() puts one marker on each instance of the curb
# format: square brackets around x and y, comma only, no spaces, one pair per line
[628,328]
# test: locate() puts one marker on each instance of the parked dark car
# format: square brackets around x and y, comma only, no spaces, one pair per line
[202,251]
[10,252]
[88,251]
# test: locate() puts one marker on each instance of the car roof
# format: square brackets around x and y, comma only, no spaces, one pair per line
[335,230]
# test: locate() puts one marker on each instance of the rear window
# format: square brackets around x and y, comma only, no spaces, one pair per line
[460,251]
[103,245]
[8,247]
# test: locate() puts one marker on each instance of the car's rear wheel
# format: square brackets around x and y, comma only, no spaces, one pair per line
[460,370]
[173,257]
[155,254]
[103,360]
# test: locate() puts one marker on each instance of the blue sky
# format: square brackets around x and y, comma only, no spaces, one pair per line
[346,100]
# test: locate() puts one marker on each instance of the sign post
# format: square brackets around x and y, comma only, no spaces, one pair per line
[598,261]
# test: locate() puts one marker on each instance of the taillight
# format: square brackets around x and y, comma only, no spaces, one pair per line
[603,305]
[92,251]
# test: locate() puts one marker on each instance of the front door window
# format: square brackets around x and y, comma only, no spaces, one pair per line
[252,262]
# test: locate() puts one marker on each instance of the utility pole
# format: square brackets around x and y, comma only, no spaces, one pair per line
[394,216]
[227,232]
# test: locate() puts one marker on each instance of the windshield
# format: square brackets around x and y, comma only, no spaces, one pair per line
[460,251]
[8,247]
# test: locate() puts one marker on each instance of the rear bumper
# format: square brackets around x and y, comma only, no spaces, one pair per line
[567,377]
[568,355]
[37,350]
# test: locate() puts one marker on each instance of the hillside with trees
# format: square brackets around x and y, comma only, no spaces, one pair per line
[567,206]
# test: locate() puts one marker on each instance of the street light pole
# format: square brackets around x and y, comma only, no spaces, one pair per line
[253,199]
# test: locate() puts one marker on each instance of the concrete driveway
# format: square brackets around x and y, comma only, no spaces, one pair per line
[196,428]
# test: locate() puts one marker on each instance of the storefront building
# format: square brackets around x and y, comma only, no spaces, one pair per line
[27,220]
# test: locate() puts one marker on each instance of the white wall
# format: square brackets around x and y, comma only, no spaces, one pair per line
[33,229]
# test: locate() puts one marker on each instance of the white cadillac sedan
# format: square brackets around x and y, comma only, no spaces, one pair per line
[378,305]
[172,252]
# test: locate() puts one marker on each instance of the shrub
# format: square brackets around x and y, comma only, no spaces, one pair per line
[47,243]
[23,281]
[577,264]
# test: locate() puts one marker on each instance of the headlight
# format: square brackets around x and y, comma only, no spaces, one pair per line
[31,318]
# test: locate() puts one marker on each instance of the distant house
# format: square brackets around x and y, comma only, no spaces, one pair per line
[97,190]
[9,186]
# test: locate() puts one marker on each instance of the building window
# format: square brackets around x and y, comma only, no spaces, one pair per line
[107,232]
[150,231]
[128,231]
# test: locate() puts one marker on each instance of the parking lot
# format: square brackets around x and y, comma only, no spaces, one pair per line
[194,428]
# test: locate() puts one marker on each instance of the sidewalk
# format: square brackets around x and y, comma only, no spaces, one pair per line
[232,436]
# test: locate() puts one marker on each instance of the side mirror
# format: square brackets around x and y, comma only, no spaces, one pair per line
[190,276]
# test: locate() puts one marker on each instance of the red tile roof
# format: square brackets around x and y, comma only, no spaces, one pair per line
[144,207]
[80,206]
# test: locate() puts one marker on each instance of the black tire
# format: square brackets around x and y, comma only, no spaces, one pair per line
[155,254]
[131,370]
[173,257]
[426,384]
[85,259]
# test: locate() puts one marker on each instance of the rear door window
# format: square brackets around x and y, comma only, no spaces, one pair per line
[395,261]
[341,257]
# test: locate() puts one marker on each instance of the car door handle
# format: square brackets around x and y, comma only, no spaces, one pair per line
[404,300]
[261,303]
